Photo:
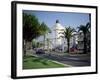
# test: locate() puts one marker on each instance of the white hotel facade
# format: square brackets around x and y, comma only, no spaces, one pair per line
[57,41]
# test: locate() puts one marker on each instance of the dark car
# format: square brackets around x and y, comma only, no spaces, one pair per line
[40,51]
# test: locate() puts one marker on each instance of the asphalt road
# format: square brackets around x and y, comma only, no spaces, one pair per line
[73,60]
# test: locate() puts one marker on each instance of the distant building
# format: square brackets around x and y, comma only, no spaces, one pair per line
[57,39]
[80,40]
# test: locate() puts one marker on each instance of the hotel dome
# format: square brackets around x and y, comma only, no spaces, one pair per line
[58,26]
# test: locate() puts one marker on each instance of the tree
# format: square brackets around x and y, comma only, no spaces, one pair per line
[48,43]
[44,30]
[68,34]
[30,29]
[85,30]
[34,43]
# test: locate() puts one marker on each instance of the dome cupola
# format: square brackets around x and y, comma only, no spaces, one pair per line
[57,21]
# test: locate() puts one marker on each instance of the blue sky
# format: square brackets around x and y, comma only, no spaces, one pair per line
[65,18]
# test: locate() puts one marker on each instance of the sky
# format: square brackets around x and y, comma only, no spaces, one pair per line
[65,18]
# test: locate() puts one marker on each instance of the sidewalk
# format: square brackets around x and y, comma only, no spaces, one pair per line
[69,54]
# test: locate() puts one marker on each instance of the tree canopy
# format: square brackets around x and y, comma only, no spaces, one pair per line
[32,27]
[85,30]
[68,34]
[44,29]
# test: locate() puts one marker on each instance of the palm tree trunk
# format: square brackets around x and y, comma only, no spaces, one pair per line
[24,48]
[48,44]
[44,42]
[85,46]
[68,43]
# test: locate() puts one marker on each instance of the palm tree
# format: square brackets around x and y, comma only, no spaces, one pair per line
[44,30]
[85,30]
[68,34]
[30,29]
[48,43]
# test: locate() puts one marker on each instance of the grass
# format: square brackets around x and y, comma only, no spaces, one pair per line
[32,62]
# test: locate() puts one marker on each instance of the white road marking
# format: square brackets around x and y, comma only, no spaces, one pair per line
[74,58]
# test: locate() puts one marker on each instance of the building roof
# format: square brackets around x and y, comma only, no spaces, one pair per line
[58,26]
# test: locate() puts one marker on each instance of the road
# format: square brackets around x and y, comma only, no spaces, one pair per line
[69,59]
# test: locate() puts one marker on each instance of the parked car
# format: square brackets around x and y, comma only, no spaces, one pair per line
[40,51]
